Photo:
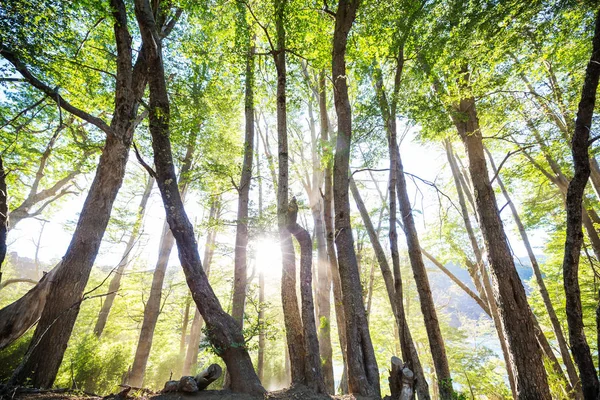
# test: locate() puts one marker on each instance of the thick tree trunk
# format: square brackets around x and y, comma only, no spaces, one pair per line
[574,235]
[313,373]
[151,310]
[115,282]
[509,294]
[409,352]
[240,278]
[291,311]
[225,334]
[363,374]
[558,333]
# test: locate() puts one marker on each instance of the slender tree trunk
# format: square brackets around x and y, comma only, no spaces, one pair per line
[328,222]
[509,294]
[574,235]
[240,278]
[313,373]
[291,311]
[409,352]
[363,374]
[558,333]
[3,215]
[191,355]
[224,333]
[184,328]
[434,334]
[49,342]
[115,282]
[260,363]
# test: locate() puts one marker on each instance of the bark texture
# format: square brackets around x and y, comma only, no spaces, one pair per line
[363,374]
[240,278]
[46,351]
[289,299]
[579,150]
[509,294]
[223,332]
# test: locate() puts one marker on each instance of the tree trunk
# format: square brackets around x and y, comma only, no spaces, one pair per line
[240,278]
[224,333]
[434,334]
[151,310]
[509,294]
[184,328]
[558,333]
[191,355]
[115,282]
[363,374]
[289,299]
[313,373]
[3,215]
[260,363]
[574,235]
[408,348]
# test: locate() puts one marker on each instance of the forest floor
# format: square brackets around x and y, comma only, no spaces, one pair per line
[296,393]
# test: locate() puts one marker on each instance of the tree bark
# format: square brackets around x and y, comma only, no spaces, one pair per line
[558,333]
[191,355]
[509,294]
[46,351]
[574,235]
[409,351]
[224,333]
[3,215]
[115,282]
[291,311]
[363,374]
[313,373]
[240,278]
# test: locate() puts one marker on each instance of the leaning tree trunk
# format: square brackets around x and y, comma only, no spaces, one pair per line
[224,333]
[44,356]
[191,355]
[557,328]
[509,293]
[328,222]
[240,277]
[409,351]
[3,215]
[115,282]
[363,374]
[574,235]
[314,372]
[151,310]
[289,299]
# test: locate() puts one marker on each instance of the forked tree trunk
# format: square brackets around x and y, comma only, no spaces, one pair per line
[224,333]
[289,299]
[191,355]
[115,282]
[509,293]
[240,277]
[49,342]
[574,235]
[363,373]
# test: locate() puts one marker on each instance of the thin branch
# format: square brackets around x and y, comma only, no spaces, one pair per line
[143,163]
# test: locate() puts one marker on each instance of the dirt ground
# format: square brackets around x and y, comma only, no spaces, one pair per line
[297,393]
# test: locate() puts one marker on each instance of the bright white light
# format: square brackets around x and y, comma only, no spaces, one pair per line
[267,254]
